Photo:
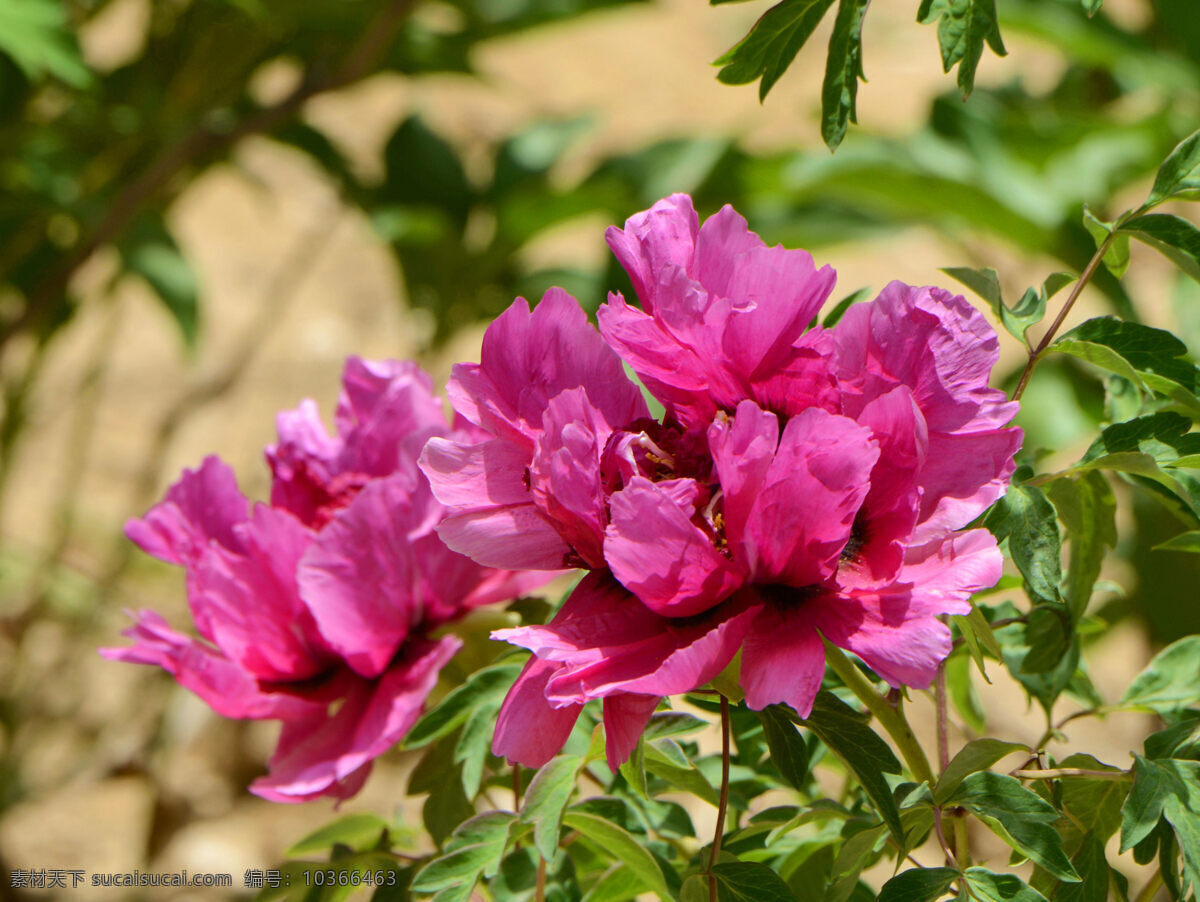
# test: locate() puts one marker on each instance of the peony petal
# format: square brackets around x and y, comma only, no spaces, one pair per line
[219,682]
[742,450]
[610,642]
[962,476]
[360,577]
[203,507]
[529,730]
[528,358]
[252,603]
[517,537]
[663,236]
[659,554]
[783,660]
[564,477]
[625,718]
[321,756]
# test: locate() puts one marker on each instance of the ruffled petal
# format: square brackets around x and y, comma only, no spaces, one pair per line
[528,358]
[661,237]
[323,756]
[203,507]
[609,642]
[962,476]
[197,666]
[659,554]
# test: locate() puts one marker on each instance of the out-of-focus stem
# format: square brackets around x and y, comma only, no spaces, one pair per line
[891,719]
[719,831]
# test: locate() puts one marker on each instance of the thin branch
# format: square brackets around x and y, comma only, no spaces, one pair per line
[1055,773]
[719,830]
[1084,278]
[204,141]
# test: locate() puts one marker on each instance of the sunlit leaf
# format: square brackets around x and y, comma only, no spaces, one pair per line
[771,45]
[977,755]
[1180,172]
[1170,682]
[987,886]
[918,885]
[1176,238]
[964,26]
[843,69]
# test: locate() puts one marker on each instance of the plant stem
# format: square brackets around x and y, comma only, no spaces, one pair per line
[719,830]
[540,892]
[1084,278]
[891,719]
[1055,773]
[962,839]
[516,787]
[1150,890]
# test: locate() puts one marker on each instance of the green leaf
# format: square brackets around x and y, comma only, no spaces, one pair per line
[749,881]
[1092,6]
[1087,508]
[358,831]
[1185,541]
[975,756]
[1018,816]
[1179,173]
[963,694]
[1094,802]
[672,723]
[475,848]
[1092,866]
[617,883]
[1179,741]
[1177,239]
[1116,258]
[964,26]
[474,746]
[984,282]
[36,35]
[1170,682]
[1027,519]
[918,885]
[622,846]
[546,799]
[634,769]
[150,251]
[986,886]
[846,734]
[1165,788]
[788,751]
[1027,312]
[839,309]
[683,775]
[484,688]
[423,169]
[843,69]
[770,46]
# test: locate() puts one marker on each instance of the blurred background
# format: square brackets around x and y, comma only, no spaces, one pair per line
[205,205]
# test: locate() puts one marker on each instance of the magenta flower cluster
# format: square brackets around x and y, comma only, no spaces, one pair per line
[800,485]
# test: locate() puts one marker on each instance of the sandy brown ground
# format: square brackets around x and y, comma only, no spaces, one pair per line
[120,769]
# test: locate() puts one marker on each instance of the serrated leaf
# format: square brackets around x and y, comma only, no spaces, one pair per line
[964,26]
[1175,238]
[1018,816]
[843,69]
[788,751]
[1027,519]
[770,46]
[476,847]
[622,846]
[358,831]
[986,886]
[1165,788]
[486,687]
[918,885]
[1170,682]
[977,755]
[546,799]
[1180,172]
[843,731]
[749,881]
[36,35]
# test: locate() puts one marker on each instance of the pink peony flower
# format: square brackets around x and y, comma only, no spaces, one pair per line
[803,483]
[319,610]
